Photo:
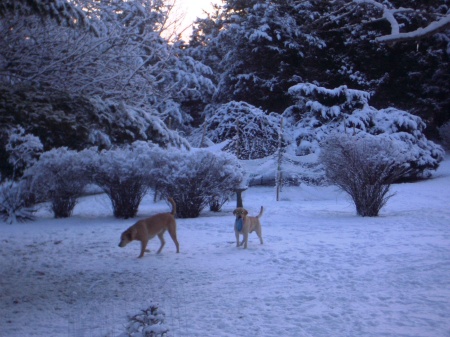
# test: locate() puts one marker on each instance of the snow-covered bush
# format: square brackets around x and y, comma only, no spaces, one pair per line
[251,132]
[363,166]
[125,175]
[59,176]
[23,149]
[13,202]
[195,178]
[148,323]
[321,112]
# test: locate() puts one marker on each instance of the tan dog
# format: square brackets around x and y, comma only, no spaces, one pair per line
[146,229]
[249,224]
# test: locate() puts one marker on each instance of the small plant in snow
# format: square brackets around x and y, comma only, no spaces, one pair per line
[148,323]
[363,166]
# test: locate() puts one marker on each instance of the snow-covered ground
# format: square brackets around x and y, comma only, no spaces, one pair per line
[322,271]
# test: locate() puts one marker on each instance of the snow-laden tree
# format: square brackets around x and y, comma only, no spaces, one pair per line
[254,47]
[195,179]
[258,49]
[411,74]
[127,61]
[59,120]
[251,132]
[125,174]
[320,112]
[58,177]
[21,150]
[63,12]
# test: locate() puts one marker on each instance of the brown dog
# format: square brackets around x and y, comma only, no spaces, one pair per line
[249,224]
[146,229]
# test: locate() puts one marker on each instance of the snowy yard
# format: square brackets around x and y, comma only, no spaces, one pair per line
[322,271]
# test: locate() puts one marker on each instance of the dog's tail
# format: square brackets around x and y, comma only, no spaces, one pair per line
[174,206]
[260,213]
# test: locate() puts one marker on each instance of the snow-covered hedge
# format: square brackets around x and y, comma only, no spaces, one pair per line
[197,178]
[194,179]
[124,174]
[320,112]
[251,132]
[59,176]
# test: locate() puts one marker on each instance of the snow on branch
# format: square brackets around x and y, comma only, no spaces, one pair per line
[420,33]
[395,35]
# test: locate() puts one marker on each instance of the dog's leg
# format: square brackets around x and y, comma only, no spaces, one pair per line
[245,241]
[143,248]
[163,242]
[173,235]
[259,233]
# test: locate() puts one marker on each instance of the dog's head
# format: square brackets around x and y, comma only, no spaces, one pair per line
[127,236]
[240,213]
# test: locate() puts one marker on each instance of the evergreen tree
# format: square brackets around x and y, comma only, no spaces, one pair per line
[258,49]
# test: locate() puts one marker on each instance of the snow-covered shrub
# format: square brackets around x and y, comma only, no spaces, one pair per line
[363,166]
[59,176]
[23,149]
[148,323]
[251,132]
[321,112]
[125,175]
[195,178]
[13,202]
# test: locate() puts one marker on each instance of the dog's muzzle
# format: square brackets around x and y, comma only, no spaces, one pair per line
[239,214]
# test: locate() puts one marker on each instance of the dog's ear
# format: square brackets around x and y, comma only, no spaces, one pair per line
[234,212]
[131,235]
[245,212]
